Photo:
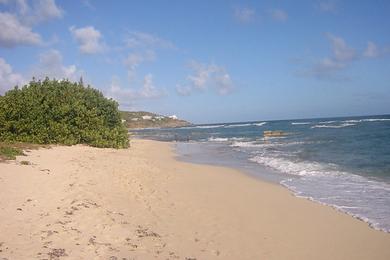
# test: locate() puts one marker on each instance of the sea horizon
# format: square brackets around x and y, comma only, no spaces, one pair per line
[288,119]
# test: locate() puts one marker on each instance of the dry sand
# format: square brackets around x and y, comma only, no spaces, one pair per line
[140,203]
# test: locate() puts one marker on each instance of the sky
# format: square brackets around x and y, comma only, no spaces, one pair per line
[208,61]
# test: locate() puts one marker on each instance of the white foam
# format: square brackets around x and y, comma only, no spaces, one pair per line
[260,124]
[290,167]
[333,126]
[237,125]
[301,123]
[246,124]
[358,211]
[202,126]
[328,122]
[352,121]
[263,144]
[273,137]
[375,119]
[366,120]
[218,139]
[252,144]
[244,144]
[356,195]
[345,209]
[209,126]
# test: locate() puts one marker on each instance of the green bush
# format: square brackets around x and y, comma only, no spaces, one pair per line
[9,153]
[61,112]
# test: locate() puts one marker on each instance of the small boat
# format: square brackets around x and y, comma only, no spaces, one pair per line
[276,133]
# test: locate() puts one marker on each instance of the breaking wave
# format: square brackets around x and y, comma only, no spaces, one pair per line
[333,126]
[301,123]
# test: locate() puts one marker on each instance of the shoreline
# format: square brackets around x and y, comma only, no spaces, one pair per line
[142,202]
[259,172]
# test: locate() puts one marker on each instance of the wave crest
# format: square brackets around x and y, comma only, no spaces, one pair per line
[333,126]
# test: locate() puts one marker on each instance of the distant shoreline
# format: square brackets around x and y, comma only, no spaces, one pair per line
[148,120]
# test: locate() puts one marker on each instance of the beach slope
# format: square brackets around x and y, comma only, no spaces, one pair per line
[81,202]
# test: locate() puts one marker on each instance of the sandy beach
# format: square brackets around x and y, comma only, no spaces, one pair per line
[81,202]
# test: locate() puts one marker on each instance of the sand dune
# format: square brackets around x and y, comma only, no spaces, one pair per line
[140,203]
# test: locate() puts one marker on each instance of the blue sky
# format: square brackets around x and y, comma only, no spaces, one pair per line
[208,61]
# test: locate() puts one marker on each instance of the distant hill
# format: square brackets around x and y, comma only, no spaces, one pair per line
[141,119]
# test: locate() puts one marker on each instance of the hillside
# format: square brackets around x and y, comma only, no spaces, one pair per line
[141,119]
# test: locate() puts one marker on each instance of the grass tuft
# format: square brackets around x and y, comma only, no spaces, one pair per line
[7,152]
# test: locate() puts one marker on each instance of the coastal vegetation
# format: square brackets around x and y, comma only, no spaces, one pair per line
[60,112]
[9,152]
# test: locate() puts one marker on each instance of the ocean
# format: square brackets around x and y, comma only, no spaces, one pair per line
[341,162]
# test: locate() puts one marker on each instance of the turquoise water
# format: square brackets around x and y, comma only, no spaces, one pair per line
[342,162]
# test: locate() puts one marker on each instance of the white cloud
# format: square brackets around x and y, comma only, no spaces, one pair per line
[133,60]
[341,51]
[88,38]
[88,4]
[148,89]
[8,78]
[41,10]
[201,74]
[21,5]
[326,68]
[224,83]
[327,6]
[35,11]
[183,90]
[51,65]
[205,76]
[17,23]
[342,57]
[330,64]
[371,51]
[278,15]
[244,14]
[329,67]
[146,40]
[13,32]
[126,96]
[144,47]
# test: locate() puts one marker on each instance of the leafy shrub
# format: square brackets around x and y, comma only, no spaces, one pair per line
[61,112]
